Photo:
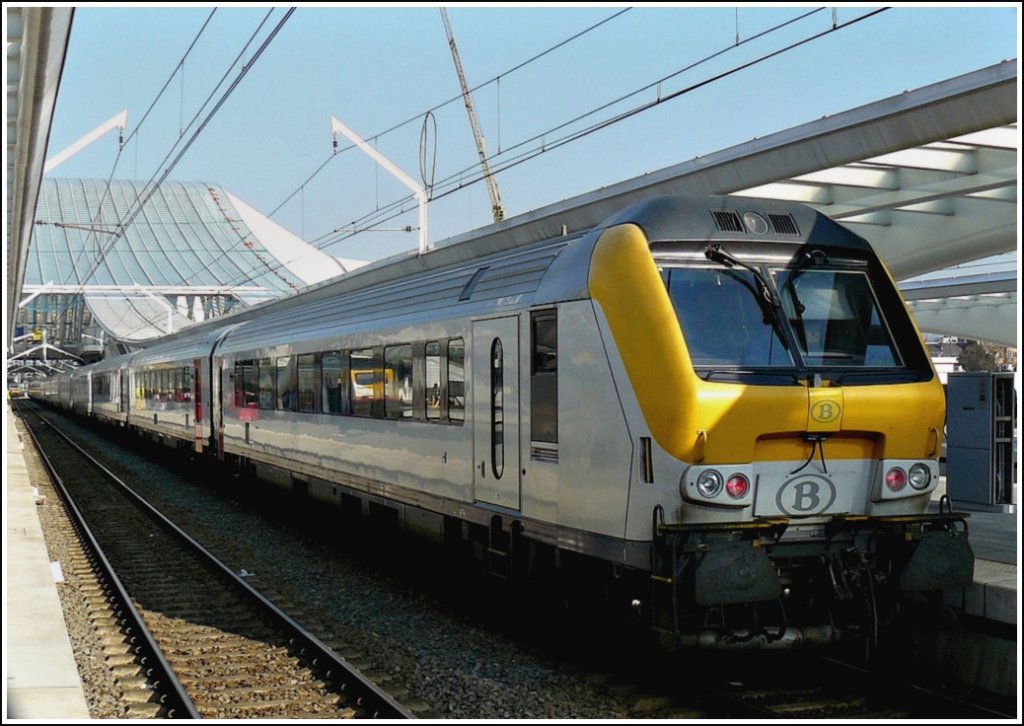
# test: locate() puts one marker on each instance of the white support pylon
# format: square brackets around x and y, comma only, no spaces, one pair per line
[118,121]
[337,127]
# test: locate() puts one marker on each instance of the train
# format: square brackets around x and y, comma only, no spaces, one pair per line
[719,407]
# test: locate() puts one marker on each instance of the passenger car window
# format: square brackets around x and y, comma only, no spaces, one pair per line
[268,382]
[365,385]
[286,390]
[335,387]
[432,376]
[544,378]
[308,366]
[456,380]
[398,381]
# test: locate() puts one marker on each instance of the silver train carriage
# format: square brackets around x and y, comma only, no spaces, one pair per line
[721,403]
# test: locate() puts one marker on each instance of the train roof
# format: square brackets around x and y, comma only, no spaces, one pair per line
[735,219]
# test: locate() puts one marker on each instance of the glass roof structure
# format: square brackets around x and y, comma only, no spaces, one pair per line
[116,265]
[134,318]
[187,234]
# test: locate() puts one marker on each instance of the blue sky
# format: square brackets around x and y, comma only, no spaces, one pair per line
[375,67]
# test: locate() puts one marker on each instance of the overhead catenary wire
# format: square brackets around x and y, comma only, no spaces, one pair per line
[453,99]
[427,117]
[121,225]
[149,185]
[547,145]
[456,182]
[142,198]
[469,175]
[131,136]
[149,189]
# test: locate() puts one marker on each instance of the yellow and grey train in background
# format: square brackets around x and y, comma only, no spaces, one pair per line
[718,407]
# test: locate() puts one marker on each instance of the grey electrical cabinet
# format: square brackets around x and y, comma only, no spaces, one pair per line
[981,451]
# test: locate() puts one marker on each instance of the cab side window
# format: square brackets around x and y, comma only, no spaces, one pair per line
[544,377]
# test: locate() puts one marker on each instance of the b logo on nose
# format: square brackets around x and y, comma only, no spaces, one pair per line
[806,495]
[825,411]
[806,498]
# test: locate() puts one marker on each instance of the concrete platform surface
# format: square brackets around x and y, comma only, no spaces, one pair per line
[41,677]
[994,537]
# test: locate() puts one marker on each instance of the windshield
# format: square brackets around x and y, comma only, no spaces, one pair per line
[828,317]
[835,319]
[722,320]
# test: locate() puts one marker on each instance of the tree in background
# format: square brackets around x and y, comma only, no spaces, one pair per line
[975,357]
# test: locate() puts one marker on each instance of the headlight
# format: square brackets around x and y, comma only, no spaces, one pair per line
[920,476]
[709,483]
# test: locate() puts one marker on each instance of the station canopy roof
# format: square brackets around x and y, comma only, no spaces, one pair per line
[927,207]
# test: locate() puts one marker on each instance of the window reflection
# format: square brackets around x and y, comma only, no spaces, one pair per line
[365,384]
[308,381]
[456,380]
[432,365]
[830,314]
[398,381]
[722,321]
[334,382]
[835,319]
[268,383]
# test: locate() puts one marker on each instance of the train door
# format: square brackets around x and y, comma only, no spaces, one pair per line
[496,411]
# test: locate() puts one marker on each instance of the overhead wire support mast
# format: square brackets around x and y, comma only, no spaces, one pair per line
[481,148]
[337,127]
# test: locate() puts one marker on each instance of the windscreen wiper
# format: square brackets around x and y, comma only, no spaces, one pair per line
[765,296]
[813,257]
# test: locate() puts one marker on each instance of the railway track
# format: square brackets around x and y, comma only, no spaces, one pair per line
[832,684]
[823,687]
[791,686]
[190,637]
[129,663]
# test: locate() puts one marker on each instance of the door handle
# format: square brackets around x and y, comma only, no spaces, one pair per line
[483,469]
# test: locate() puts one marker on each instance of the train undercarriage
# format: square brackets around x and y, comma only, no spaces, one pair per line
[777,584]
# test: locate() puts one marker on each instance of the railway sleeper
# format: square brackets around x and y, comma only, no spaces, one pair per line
[255,688]
[145,710]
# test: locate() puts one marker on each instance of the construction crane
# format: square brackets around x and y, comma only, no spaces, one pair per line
[492,185]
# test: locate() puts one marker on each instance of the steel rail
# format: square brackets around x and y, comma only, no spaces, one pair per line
[366,695]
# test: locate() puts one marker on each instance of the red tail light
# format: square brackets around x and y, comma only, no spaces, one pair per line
[896,479]
[737,486]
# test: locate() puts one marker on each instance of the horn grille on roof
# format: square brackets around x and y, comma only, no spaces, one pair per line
[783,223]
[727,220]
